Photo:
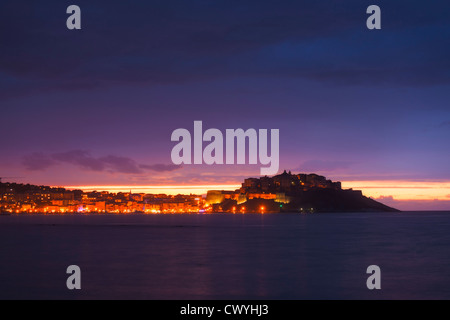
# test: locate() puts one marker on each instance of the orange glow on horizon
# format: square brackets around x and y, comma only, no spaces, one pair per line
[399,190]
[402,190]
[170,190]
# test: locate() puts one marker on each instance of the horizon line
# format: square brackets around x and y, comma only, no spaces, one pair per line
[398,189]
[167,189]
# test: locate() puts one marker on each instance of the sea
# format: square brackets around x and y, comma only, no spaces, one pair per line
[284,256]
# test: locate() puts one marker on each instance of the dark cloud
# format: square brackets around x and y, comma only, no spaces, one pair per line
[37,161]
[155,42]
[415,205]
[121,164]
[160,167]
[323,165]
[80,158]
[84,160]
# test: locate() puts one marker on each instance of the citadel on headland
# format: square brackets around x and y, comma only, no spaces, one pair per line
[289,192]
[286,192]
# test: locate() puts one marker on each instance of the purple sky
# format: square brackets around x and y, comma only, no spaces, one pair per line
[97,106]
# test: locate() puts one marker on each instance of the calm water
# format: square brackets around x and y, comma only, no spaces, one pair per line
[226,256]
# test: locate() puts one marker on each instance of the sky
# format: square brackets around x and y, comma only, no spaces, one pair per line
[97,106]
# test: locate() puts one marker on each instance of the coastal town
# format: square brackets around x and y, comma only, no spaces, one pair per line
[285,192]
[21,198]
[25,198]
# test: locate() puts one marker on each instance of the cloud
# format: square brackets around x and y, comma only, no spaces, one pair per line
[415,205]
[444,124]
[84,160]
[37,161]
[385,198]
[160,167]
[323,165]
[178,41]
[121,164]
[80,158]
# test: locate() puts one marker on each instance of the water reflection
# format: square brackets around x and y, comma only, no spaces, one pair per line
[231,256]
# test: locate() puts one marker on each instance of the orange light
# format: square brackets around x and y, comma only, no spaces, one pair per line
[168,189]
[401,190]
